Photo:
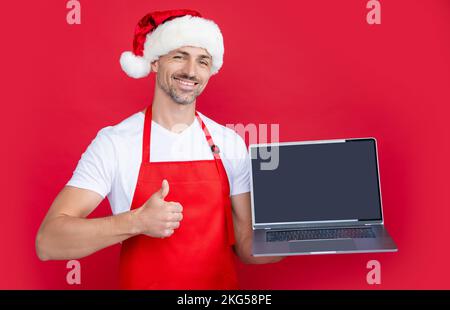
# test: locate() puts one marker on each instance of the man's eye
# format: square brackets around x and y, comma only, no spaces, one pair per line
[176,56]
[204,63]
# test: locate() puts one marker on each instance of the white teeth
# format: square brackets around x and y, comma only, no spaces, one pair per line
[185,83]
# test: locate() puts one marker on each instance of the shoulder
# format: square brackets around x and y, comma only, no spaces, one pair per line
[125,130]
[130,126]
[112,142]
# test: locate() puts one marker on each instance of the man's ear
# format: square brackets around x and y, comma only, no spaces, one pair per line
[154,65]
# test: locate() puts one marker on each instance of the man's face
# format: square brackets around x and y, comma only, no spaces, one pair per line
[183,73]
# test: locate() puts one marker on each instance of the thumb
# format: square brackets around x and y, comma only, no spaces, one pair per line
[164,191]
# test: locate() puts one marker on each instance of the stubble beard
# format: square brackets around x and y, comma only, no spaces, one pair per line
[172,92]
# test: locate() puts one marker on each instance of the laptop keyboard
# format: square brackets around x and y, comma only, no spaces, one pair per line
[314,234]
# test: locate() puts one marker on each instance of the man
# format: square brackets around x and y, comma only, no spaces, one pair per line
[177,182]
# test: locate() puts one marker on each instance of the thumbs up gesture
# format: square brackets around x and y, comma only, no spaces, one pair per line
[156,217]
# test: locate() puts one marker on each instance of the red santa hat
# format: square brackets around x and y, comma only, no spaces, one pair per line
[160,32]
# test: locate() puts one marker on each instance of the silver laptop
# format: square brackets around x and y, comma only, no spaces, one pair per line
[317,197]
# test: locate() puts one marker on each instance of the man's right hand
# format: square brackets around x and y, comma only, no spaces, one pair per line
[158,218]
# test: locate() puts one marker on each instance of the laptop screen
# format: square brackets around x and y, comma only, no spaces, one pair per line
[316,182]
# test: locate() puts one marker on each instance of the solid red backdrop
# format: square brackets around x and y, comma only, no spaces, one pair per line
[314,67]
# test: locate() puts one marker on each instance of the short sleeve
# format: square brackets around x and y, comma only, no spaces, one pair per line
[240,181]
[96,168]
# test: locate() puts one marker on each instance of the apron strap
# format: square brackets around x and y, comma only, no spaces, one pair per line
[223,176]
[146,135]
[214,148]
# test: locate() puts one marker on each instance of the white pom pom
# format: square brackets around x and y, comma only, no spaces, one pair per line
[134,66]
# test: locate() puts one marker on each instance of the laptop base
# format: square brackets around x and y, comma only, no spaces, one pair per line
[382,242]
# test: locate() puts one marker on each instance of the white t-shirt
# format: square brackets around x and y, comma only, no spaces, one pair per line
[110,164]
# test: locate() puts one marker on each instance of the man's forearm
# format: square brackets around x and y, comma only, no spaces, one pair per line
[68,237]
[243,249]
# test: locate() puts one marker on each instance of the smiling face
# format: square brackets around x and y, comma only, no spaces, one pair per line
[183,73]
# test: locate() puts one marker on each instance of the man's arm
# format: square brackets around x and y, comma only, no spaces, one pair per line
[242,222]
[65,232]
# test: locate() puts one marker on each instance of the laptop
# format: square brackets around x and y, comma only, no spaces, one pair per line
[317,197]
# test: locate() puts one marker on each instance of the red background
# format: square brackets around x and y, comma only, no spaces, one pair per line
[315,67]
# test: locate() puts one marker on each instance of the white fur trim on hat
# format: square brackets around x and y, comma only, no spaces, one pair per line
[181,31]
[134,66]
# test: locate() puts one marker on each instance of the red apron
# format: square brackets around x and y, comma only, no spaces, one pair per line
[199,253]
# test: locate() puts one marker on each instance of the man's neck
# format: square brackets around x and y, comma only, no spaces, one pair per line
[173,116]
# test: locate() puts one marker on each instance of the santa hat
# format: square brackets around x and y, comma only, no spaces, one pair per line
[158,33]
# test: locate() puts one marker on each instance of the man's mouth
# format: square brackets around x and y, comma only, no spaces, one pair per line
[185,84]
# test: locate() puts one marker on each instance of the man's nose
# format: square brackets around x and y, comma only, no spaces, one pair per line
[190,68]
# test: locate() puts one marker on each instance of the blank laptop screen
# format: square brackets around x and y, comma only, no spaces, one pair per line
[316,182]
